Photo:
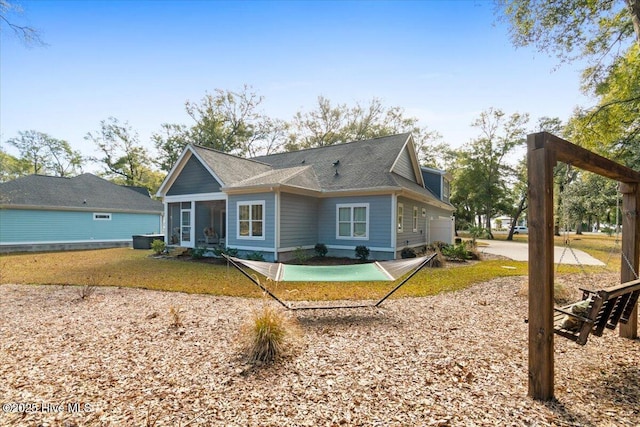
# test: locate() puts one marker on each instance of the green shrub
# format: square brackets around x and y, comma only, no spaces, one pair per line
[227,251]
[362,252]
[456,252]
[198,252]
[158,246]
[408,253]
[321,249]
[300,255]
[255,256]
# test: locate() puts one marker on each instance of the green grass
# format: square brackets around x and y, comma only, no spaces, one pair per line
[136,269]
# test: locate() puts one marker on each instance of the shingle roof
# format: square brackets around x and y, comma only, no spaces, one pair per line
[84,191]
[301,176]
[362,164]
[229,168]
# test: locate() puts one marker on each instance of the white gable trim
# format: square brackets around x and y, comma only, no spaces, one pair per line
[176,170]
[411,148]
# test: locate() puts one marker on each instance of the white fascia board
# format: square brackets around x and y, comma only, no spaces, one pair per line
[198,197]
[174,172]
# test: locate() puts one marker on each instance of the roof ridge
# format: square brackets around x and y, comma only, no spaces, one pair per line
[342,144]
[251,159]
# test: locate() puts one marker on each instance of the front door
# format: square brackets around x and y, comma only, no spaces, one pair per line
[185,227]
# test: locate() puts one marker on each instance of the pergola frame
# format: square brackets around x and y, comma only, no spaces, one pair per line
[544,151]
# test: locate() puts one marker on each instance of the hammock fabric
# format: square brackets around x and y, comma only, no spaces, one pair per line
[370,272]
[377,271]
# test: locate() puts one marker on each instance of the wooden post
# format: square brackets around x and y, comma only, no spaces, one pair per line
[540,163]
[630,248]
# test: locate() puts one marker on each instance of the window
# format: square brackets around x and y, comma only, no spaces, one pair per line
[251,220]
[446,189]
[400,217]
[102,217]
[353,221]
[415,219]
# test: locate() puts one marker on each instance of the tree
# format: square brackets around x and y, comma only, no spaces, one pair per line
[483,172]
[124,158]
[594,30]
[29,35]
[169,141]
[12,167]
[47,155]
[330,124]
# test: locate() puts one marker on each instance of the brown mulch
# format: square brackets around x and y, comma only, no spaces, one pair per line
[454,359]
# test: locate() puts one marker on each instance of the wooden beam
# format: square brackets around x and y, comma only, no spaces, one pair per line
[630,249]
[584,159]
[540,163]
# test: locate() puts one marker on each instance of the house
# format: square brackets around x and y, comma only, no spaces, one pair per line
[52,213]
[369,193]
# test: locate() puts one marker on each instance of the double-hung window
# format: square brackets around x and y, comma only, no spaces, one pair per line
[400,218]
[352,221]
[251,220]
[415,219]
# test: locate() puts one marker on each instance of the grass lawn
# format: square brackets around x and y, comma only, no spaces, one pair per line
[136,268]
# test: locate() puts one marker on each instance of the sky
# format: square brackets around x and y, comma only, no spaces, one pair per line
[443,62]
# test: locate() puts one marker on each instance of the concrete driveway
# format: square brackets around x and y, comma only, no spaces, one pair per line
[519,251]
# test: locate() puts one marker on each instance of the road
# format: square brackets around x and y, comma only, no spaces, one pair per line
[519,251]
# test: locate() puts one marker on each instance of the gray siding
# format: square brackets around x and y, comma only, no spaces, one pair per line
[298,221]
[404,167]
[269,221]
[194,178]
[379,221]
[408,237]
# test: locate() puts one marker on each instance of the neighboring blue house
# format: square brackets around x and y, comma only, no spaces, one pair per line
[369,193]
[51,213]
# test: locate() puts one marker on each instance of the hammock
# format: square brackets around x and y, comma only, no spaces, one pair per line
[371,272]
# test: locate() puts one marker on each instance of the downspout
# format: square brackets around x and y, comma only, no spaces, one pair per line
[276,225]
[394,223]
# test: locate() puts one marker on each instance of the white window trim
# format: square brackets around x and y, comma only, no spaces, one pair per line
[415,219]
[400,218]
[351,206]
[97,215]
[251,203]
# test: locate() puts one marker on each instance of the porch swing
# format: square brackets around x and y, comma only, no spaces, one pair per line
[597,310]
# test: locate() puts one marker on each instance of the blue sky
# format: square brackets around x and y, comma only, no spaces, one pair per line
[139,61]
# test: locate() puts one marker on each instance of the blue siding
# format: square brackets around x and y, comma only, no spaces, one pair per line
[232,221]
[194,178]
[298,221]
[18,226]
[404,167]
[379,221]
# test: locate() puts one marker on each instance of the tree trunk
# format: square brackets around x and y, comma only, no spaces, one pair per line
[521,208]
[634,10]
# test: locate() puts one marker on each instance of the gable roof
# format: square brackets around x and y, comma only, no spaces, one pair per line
[359,165]
[82,192]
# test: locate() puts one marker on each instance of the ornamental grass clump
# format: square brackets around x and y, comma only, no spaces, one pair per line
[269,336]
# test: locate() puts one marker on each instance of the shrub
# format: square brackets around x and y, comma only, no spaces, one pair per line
[227,251]
[408,253]
[321,249]
[198,252]
[456,252]
[438,261]
[437,246]
[268,336]
[255,256]
[362,252]
[300,255]
[158,246]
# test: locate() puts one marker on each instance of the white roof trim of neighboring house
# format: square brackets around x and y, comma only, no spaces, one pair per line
[76,209]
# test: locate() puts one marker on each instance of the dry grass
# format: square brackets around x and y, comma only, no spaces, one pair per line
[136,269]
[269,335]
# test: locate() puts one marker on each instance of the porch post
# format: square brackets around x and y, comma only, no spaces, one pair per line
[630,248]
[540,162]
